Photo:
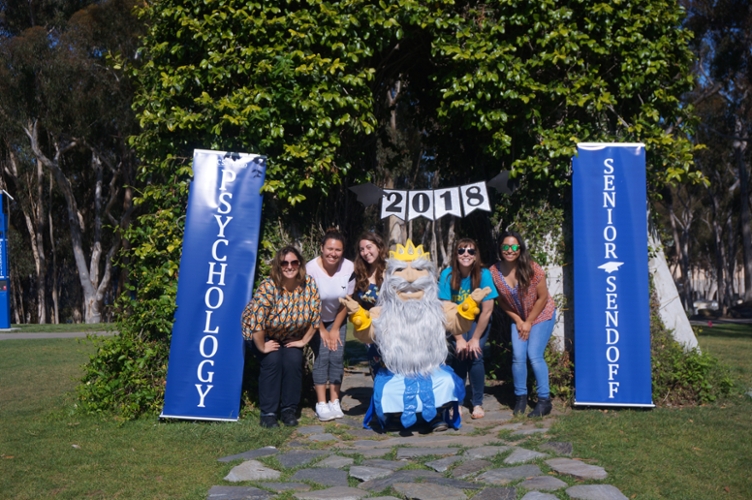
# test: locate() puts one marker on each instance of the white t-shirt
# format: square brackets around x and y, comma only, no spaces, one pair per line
[332,288]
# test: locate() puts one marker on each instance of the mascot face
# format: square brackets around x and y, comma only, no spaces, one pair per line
[409,279]
[410,330]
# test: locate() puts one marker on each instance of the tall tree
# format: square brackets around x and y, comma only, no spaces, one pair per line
[66,104]
[723,36]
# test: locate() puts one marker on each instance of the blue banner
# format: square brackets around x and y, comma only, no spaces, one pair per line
[217,266]
[611,301]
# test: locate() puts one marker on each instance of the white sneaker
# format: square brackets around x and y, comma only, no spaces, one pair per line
[335,409]
[324,412]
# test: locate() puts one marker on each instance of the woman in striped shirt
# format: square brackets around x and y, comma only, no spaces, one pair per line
[523,295]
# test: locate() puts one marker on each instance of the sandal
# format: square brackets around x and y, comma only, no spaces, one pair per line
[478,412]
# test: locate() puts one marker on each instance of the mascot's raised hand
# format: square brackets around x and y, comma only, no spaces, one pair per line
[360,318]
[460,317]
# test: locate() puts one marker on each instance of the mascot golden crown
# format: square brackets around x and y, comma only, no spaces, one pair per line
[409,325]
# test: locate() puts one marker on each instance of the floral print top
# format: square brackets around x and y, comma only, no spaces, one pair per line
[283,316]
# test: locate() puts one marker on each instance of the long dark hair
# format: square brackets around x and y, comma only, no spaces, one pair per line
[474,272]
[276,272]
[361,266]
[524,261]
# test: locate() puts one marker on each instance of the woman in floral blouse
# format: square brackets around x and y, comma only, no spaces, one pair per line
[280,320]
[523,295]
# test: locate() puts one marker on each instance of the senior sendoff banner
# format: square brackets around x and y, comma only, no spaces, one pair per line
[611,306]
[222,223]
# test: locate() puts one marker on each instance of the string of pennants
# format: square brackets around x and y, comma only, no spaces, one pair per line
[432,204]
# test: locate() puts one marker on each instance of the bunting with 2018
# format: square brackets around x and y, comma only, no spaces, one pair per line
[611,301]
[205,369]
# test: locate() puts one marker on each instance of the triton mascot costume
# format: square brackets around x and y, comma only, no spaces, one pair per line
[409,325]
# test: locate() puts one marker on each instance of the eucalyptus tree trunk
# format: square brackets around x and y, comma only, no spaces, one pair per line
[681,247]
[93,283]
[744,216]
[32,207]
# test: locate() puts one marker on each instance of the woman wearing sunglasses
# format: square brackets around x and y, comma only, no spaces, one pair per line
[523,295]
[279,321]
[334,278]
[455,284]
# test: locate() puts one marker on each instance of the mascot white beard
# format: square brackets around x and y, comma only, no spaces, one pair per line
[410,334]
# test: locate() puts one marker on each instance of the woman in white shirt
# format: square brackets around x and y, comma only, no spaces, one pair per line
[335,279]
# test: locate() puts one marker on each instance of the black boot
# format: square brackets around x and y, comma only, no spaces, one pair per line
[520,405]
[542,408]
[288,418]
[269,421]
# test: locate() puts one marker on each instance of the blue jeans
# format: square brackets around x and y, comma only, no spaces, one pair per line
[533,349]
[472,368]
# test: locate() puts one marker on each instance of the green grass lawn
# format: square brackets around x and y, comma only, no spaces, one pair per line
[67,327]
[677,453]
[47,450]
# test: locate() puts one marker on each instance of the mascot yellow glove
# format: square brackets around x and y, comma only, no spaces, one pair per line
[360,319]
[468,309]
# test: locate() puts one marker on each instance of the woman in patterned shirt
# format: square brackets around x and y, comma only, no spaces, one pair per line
[280,320]
[523,295]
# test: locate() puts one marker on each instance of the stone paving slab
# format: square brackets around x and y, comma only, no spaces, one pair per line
[486,451]
[537,495]
[443,464]
[423,452]
[317,438]
[522,455]
[576,468]
[310,429]
[322,475]
[357,432]
[509,474]
[368,473]
[251,470]
[335,461]
[448,439]
[470,468]
[336,493]
[454,483]
[237,493]
[557,447]
[401,476]
[251,454]
[294,459]
[497,493]
[545,483]
[595,492]
[528,432]
[427,491]
[385,464]
[373,453]
[279,487]
[509,427]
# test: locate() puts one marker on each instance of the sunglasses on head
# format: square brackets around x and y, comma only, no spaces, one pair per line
[470,251]
[505,248]
[290,263]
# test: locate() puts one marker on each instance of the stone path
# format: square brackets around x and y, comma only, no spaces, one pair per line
[495,458]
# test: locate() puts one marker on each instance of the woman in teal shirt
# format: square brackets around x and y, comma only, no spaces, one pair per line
[456,282]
